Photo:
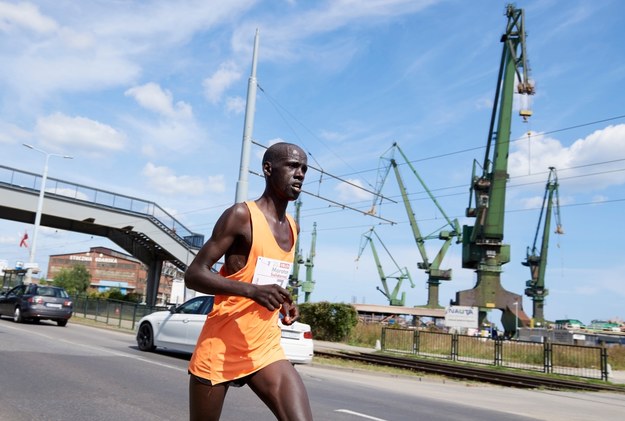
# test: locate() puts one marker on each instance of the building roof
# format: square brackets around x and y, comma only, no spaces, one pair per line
[409,311]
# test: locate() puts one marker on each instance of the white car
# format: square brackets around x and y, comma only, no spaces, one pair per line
[179,327]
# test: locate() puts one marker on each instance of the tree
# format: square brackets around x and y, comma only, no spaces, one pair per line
[74,280]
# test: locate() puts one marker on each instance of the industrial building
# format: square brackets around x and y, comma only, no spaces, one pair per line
[112,269]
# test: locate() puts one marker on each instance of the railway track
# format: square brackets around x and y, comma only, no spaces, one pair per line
[479,374]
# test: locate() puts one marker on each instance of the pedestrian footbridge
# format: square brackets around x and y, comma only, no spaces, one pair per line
[141,228]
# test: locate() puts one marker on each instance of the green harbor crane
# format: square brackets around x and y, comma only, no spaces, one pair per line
[432,268]
[400,275]
[483,248]
[294,284]
[537,262]
[309,284]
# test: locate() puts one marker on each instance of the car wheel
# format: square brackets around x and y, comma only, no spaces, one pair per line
[61,322]
[17,316]
[145,337]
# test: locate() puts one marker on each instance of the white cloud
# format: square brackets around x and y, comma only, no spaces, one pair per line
[10,133]
[175,128]
[164,180]
[235,105]
[220,81]
[24,15]
[351,192]
[167,134]
[64,133]
[587,164]
[152,97]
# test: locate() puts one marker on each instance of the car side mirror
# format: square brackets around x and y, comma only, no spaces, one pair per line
[172,308]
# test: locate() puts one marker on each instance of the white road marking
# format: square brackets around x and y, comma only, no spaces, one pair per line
[358,414]
[104,350]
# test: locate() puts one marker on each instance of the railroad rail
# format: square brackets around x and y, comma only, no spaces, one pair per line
[502,378]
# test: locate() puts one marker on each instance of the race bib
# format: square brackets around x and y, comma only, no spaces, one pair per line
[271,271]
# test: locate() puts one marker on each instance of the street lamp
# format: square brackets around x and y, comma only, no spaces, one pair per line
[44,177]
[516,318]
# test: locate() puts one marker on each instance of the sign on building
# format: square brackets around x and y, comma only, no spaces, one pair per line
[461,317]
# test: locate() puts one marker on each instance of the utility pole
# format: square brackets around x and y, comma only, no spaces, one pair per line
[248,128]
[44,177]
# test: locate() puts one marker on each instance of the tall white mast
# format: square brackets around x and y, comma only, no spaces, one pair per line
[250,109]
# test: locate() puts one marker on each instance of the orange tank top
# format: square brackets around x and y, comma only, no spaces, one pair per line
[240,336]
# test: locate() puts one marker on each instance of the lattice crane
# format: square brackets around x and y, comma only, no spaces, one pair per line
[537,262]
[431,268]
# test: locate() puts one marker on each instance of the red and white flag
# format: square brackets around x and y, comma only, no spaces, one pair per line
[23,242]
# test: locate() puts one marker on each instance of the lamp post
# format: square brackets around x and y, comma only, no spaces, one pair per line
[516,318]
[44,177]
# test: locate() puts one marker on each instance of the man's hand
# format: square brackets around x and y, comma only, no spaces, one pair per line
[271,296]
[290,313]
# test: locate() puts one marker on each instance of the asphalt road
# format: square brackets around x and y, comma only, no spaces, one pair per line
[86,373]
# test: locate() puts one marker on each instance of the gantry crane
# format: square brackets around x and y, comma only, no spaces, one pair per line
[537,262]
[483,248]
[399,275]
[433,270]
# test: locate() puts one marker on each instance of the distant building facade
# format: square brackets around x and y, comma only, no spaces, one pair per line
[112,269]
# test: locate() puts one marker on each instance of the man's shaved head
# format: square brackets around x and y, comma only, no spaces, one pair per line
[279,150]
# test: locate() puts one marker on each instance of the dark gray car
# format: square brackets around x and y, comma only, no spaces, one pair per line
[36,302]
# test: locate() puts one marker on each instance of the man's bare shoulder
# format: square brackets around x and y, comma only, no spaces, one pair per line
[236,217]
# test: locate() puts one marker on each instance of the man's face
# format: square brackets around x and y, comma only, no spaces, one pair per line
[286,176]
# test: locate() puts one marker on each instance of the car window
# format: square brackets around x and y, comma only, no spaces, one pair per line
[46,291]
[192,307]
[17,291]
[210,300]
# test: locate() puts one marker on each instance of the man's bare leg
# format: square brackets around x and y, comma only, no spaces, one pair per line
[280,386]
[205,401]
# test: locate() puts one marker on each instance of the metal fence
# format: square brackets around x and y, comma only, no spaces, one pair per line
[121,314]
[564,359]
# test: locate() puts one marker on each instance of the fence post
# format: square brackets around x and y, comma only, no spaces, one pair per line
[383,338]
[454,347]
[604,363]
[97,308]
[417,341]
[121,312]
[498,351]
[134,315]
[547,359]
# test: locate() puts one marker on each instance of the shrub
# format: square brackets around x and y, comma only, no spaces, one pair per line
[329,321]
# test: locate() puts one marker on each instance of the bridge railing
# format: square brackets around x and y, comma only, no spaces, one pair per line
[24,180]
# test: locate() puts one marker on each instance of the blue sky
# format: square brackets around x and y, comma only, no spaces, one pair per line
[149,98]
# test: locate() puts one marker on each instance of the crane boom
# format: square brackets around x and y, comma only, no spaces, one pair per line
[367,238]
[537,262]
[483,248]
